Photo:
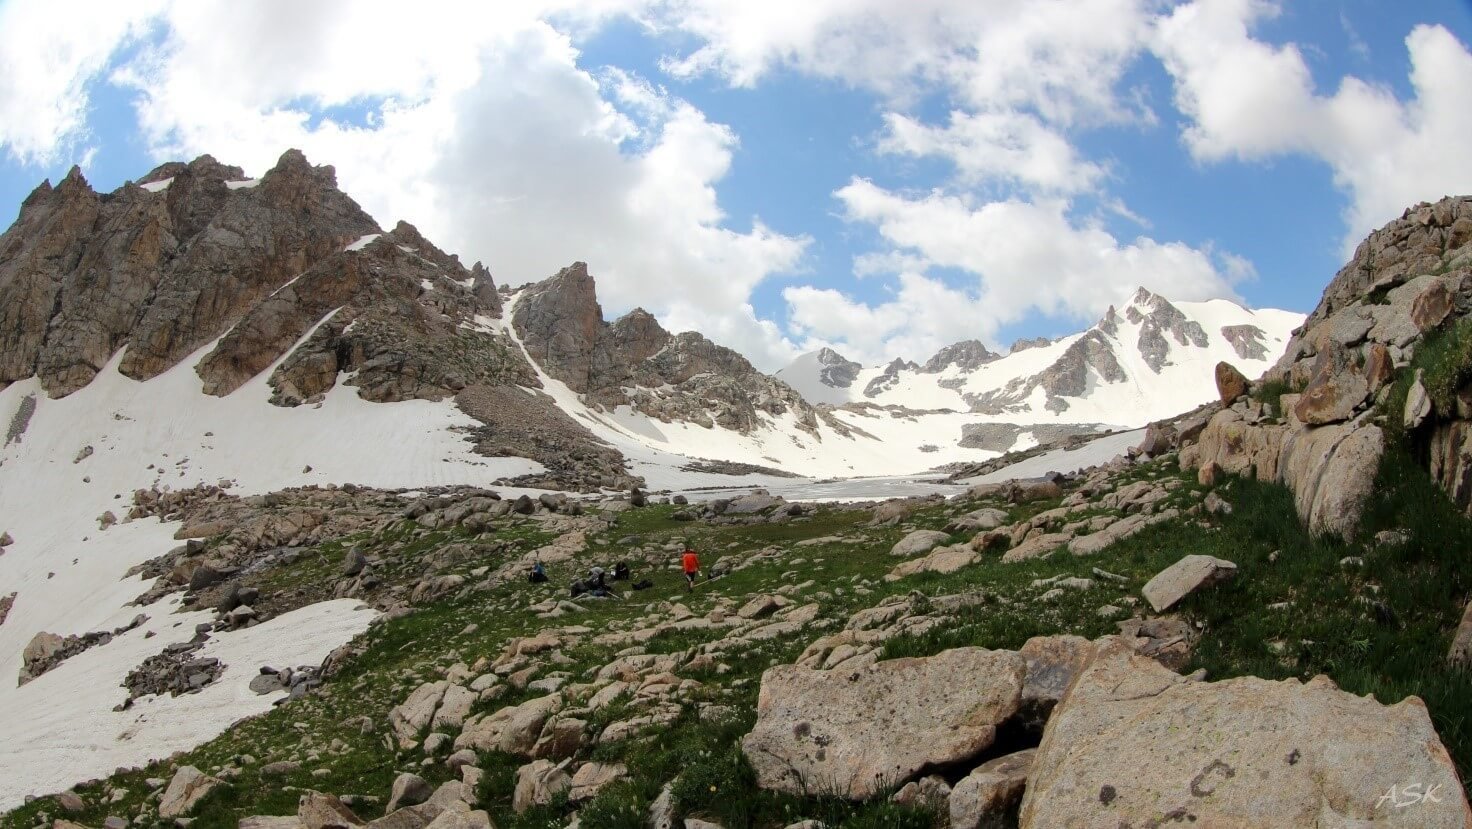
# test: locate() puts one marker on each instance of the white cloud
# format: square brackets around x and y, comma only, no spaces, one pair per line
[924,316]
[49,51]
[996,146]
[1252,100]
[484,132]
[1031,257]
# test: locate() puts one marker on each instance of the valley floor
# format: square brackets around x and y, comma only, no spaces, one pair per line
[1375,617]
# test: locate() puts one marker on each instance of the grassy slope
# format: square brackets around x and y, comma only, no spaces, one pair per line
[1382,627]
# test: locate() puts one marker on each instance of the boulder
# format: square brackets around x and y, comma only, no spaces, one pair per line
[854,732]
[462,819]
[940,560]
[1335,391]
[1331,471]
[513,730]
[454,707]
[316,810]
[592,777]
[930,792]
[408,790]
[188,786]
[1135,744]
[1461,649]
[537,783]
[990,791]
[919,541]
[1230,384]
[1052,663]
[1185,577]
[1418,404]
[353,562]
[417,711]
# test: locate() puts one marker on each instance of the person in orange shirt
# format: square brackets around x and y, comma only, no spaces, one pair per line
[691,563]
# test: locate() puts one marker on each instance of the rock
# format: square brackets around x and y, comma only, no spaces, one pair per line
[990,791]
[1332,471]
[592,777]
[1432,306]
[1192,573]
[1210,474]
[462,819]
[852,732]
[560,739]
[1418,404]
[759,607]
[354,562]
[513,730]
[1230,384]
[919,541]
[1215,504]
[662,810]
[38,654]
[1052,663]
[697,823]
[463,757]
[408,790]
[71,802]
[269,822]
[1335,391]
[437,743]
[454,707]
[1461,649]
[537,783]
[280,768]
[316,810]
[416,712]
[188,786]
[940,560]
[931,792]
[1135,744]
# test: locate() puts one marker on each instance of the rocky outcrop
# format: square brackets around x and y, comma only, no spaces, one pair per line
[1160,324]
[1406,281]
[836,370]
[967,355]
[634,362]
[854,732]
[1247,340]
[1134,744]
[889,378]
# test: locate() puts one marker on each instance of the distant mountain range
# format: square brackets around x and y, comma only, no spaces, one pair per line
[1147,360]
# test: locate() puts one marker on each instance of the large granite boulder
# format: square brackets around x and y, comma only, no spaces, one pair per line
[852,733]
[1134,744]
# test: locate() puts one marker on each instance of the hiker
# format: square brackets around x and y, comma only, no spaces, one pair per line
[578,588]
[598,584]
[538,574]
[691,563]
[621,571]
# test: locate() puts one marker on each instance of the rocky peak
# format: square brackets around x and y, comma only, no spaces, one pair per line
[968,355]
[1022,344]
[638,336]
[1159,323]
[835,370]
[164,270]
[559,321]
[484,288]
[890,377]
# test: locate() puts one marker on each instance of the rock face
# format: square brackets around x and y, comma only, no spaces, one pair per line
[837,371]
[1408,279]
[990,790]
[635,362]
[1134,744]
[853,732]
[163,271]
[967,355]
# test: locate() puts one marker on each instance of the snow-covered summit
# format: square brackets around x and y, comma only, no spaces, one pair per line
[1146,359]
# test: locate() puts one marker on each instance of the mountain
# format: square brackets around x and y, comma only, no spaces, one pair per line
[1147,360]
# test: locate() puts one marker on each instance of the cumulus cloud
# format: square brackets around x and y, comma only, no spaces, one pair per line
[49,52]
[486,133]
[996,146]
[924,315]
[1250,100]
[1031,256]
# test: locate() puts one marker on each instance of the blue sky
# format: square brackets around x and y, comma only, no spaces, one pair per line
[885,178]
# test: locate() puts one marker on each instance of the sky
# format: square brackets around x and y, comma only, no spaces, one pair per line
[880,177]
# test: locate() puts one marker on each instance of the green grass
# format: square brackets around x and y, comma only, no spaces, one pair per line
[1382,628]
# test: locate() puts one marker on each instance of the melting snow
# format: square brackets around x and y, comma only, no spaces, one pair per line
[158,186]
[363,241]
[243,184]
